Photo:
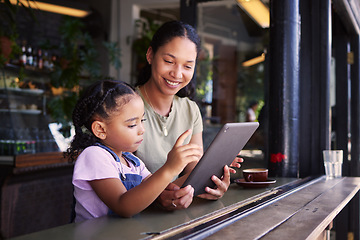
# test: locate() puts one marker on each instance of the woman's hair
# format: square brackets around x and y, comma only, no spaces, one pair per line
[162,36]
[99,100]
[253,103]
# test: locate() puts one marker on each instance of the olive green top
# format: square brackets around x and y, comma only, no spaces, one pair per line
[185,114]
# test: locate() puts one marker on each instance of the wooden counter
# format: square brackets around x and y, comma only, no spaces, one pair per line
[302,214]
[31,160]
[298,213]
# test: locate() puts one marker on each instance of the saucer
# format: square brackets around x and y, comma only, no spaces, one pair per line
[246,184]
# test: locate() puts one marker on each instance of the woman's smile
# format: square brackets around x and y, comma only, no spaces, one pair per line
[171,83]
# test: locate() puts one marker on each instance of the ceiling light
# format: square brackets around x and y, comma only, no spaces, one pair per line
[54,8]
[254,61]
[257,11]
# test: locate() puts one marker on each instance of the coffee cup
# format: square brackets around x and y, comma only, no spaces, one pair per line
[255,174]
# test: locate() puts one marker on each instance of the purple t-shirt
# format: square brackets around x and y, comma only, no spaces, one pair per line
[92,164]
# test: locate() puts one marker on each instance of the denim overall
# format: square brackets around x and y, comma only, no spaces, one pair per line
[129,180]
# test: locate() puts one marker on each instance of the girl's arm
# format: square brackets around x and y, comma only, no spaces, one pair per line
[127,203]
[198,140]
[182,197]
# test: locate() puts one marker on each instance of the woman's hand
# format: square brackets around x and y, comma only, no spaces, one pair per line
[236,163]
[174,197]
[223,184]
[220,188]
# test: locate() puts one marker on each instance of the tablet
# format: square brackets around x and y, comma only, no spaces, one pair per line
[222,151]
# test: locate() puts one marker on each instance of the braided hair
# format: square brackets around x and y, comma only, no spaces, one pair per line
[98,100]
[162,36]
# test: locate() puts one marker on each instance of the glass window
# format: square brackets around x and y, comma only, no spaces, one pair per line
[231,72]
[230,88]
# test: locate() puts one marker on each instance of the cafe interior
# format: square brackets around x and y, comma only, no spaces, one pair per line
[294,64]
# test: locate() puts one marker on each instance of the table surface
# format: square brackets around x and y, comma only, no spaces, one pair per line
[278,216]
[302,214]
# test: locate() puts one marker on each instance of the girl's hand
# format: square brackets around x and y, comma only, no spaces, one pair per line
[221,186]
[181,155]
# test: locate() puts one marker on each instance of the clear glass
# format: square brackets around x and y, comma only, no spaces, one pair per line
[333,160]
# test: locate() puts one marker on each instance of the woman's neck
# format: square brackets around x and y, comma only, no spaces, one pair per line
[158,101]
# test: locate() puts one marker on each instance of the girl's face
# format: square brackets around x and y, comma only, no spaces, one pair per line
[124,130]
[173,64]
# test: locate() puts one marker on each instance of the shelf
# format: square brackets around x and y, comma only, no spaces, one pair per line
[28,70]
[7,160]
[35,92]
[22,111]
[23,115]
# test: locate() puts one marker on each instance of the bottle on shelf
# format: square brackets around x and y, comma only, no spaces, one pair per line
[4,148]
[35,135]
[22,59]
[53,60]
[46,60]
[7,142]
[29,57]
[40,59]
[35,58]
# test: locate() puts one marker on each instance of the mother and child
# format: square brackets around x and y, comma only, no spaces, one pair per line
[119,169]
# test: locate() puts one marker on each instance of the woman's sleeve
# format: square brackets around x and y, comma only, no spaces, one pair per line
[198,122]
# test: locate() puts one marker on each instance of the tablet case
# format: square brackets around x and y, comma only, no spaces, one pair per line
[226,145]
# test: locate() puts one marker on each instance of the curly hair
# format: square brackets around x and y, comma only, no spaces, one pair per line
[163,35]
[99,99]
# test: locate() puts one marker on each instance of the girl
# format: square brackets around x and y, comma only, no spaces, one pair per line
[107,177]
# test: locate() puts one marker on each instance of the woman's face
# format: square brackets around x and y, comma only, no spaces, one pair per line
[173,65]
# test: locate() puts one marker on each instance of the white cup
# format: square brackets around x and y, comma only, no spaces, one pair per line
[333,160]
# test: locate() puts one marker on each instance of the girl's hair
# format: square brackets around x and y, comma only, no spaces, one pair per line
[97,101]
[162,36]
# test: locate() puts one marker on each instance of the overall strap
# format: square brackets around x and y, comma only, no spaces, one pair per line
[115,156]
[129,156]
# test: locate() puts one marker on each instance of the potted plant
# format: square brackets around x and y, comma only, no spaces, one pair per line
[78,60]
[8,29]
[146,29]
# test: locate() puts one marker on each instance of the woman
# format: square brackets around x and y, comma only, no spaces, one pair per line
[165,85]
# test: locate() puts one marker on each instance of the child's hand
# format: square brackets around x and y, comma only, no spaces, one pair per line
[181,155]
